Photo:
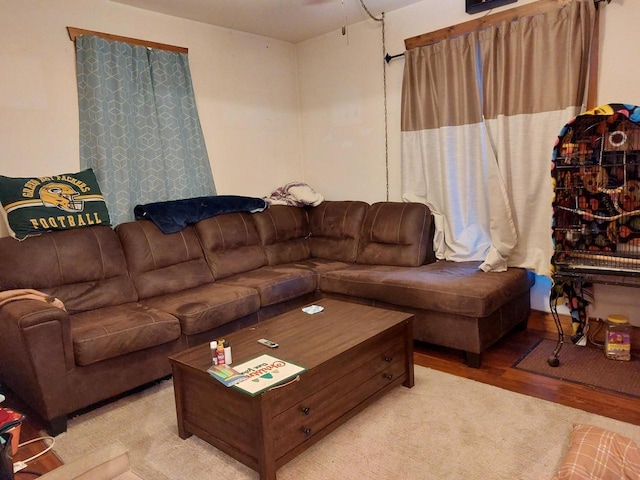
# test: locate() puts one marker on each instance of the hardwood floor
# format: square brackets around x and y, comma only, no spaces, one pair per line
[496,370]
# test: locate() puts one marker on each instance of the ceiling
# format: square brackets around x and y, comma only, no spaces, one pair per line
[292,21]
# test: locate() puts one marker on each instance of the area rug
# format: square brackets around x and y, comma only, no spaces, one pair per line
[446,427]
[585,365]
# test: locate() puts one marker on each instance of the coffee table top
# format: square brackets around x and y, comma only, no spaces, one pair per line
[307,340]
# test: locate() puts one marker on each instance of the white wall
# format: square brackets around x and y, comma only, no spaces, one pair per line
[342,113]
[246,91]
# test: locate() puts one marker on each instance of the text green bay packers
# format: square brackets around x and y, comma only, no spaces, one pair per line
[28,191]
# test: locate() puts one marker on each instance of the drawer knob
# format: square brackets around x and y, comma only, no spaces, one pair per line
[388,376]
[306,431]
[305,410]
[388,359]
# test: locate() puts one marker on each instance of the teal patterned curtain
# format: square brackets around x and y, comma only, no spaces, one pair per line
[139,126]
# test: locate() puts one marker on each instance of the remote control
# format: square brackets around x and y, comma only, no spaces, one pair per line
[268,343]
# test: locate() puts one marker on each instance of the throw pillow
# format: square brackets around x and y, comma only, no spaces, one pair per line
[598,453]
[32,206]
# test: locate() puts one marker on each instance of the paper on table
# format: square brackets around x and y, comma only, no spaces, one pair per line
[264,372]
[311,309]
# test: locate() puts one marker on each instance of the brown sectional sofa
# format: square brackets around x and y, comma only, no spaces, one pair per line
[133,295]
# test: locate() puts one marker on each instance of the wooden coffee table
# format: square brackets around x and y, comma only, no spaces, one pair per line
[353,354]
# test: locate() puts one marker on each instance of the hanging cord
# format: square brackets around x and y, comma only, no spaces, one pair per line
[345,30]
[384,87]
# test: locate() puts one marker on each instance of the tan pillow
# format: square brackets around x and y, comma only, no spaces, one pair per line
[595,453]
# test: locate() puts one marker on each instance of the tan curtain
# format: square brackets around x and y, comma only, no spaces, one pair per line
[440,86]
[529,79]
[537,64]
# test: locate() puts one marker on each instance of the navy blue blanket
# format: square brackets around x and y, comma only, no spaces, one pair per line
[174,215]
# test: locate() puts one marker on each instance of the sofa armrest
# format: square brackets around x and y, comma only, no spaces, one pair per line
[109,462]
[36,352]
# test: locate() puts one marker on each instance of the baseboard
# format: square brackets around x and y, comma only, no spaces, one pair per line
[544,321]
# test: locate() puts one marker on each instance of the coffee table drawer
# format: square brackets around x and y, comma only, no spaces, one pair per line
[318,378]
[309,416]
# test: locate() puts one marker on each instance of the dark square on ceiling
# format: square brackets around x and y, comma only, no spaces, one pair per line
[475,6]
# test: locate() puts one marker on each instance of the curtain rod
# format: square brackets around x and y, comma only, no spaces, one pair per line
[467,27]
[388,57]
[76,32]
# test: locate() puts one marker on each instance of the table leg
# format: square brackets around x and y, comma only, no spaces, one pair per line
[408,339]
[178,391]
[267,460]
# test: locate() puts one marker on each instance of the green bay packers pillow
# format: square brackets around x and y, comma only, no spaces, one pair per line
[32,206]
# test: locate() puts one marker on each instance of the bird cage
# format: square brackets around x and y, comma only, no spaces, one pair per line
[596,207]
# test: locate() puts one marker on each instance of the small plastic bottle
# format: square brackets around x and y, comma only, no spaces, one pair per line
[220,352]
[213,346]
[617,341]
[227,353]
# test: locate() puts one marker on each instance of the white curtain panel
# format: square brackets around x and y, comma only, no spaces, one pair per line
[437,171]
[524,144]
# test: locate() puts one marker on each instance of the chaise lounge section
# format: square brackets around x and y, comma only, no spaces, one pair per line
[134,296]
[382,255]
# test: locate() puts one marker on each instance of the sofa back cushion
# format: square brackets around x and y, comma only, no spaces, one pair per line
[335,229]
[396,233]
[162,263]
[283,231]
[231,244]
[85,268]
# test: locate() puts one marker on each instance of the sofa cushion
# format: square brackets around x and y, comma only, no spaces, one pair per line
[450,287]
[163,263]
[231,244]
[276,284]
[85,268]
[113,331]
[208,306]
[335,229]
[397,233]
[283,231]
